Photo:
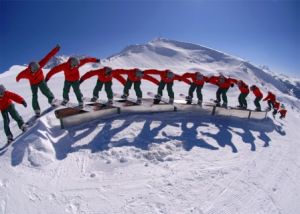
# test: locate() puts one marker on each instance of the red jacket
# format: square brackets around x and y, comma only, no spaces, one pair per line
[102,77]
[193,76]
[71,74]
[276,105]
[257,92]
[131,73]
[282,112]
[223,85]
[270,97]
[244,88]
[163,75]
[37,77]
[8,98]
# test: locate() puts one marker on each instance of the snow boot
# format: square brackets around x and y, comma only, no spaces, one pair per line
[139,101]
[199,102]
[109,102]
[188,99]
[64,102]
[80,105]
[94,99]
[37,113]
[171,101]
[224,105]
[157,99]
[124,96]
[10,138]
[24,127]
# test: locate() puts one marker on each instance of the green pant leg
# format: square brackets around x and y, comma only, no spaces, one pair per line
[15,115]
[245,100]
[192,89]
[161,87]
[240,100]
[137,88]
[97,89]
[35,103]
[108,90]
[170,90]
[6,122]
[66,90]
[127,87]
[76,88]
[256,102]
[199,92]
[224,96]
[46,91]
[218,94]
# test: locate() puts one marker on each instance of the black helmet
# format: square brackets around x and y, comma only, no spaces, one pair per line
[170,74]
[2,90]
[199,76]
[34,67]
[74,62]
[253,87]
[139,73]
[108,71]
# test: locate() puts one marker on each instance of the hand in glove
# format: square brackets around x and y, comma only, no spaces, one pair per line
[24,104]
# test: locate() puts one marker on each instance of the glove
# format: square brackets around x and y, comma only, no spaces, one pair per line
[58,46]
[80,81]
[98,60]
[232,85]
[24,104]
[46,80]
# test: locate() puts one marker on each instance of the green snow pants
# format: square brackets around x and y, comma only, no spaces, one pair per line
[15,115]
[242,100]
[45,90]
[161,87]
[137,88]
[256,102]
[76,89]
[108,89]
[198,90]
[222,92]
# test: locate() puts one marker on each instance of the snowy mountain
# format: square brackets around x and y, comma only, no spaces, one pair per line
[178,162]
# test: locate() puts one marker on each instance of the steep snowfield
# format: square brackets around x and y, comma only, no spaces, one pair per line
[156,163]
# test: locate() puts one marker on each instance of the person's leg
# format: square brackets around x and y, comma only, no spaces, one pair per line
[6,123]
[257,104]
[66,91]
[15,115]
[218,95]
[199,93]
[137,88]
[97,89]
[127,87]
[108,90]
[245,104]
[161,87]
[35,103]
[240,100]
[224,95]
[170,90]
[46,91]
[76,88]
[191,90]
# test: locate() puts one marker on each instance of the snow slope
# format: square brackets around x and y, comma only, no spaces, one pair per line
[156,163]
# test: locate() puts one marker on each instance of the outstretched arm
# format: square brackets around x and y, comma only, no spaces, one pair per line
[15,97]
[90,74]
[88,60]
[152,71]
[22,75]
[46,59]
[119,78]
[151,79]
[122,71]
[55,70]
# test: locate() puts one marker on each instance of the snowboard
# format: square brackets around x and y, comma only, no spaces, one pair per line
[162,99]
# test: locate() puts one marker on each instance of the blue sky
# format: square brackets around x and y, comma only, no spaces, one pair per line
[263,32]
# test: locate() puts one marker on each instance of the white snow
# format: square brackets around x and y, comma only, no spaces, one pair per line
[156,163]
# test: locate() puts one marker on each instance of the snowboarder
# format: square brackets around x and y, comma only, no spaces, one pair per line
[34,74]
[282,111]
[105,76]
[72,76]
[134,77]
[7,108]
[258,96]
[244,89]
[270,98]
[197,83]
[224,84]
[167,78]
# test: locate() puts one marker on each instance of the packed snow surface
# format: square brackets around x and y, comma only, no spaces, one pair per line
[178,162]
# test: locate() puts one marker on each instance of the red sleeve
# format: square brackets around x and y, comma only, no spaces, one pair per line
[14,97]
[55,70]
[213,80]
[185,77]
[177,77]
[152,71]
[46,59]
[119,78]
[267,97]
[151,79]
[231,80]
[122,71]
[90,74]
[206,79]
[87,60]
[22,75]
